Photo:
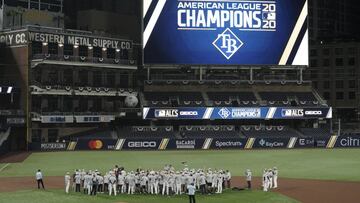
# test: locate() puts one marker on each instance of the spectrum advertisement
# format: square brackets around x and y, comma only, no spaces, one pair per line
[236,113]
[225,32]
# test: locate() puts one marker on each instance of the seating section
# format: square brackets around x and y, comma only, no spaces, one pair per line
[219,131]
[232,98]
[174,98]
[268,131]
[315,132]
[192,132]
[289,98]
[149,132]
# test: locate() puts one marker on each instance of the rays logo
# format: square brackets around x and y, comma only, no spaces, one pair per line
[262,142]
[228,43]
[224,113]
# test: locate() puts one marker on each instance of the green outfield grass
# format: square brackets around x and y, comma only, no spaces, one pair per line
[334,164]
[54,196]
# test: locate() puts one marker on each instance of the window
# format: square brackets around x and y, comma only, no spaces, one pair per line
[339,84]
[36,135]
[68,50]
[111,53]
[352,95]
[326,95]
[313,63]
[339,62]
[326,73]
[313,52]
[351,72]
[326,52]
[339,72]
[326,84]
[97,52]
[326,62]
[83,51]
[53,48]
[352,50]
[52,135]
[339,95]
[314,74]
[351,61]
[352,84]
[36,48]
[338,51]
[315,84]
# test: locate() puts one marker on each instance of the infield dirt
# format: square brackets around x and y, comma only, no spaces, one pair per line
[307,191]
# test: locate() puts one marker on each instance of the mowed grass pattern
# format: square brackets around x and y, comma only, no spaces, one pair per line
[334,164]
[58,196]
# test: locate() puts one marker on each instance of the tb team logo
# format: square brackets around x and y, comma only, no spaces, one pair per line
[224,113]
[228,43]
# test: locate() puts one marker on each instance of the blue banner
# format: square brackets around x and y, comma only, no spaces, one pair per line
[236,113]
[232,32]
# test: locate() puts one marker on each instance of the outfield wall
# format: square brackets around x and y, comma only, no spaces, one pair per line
[201,144]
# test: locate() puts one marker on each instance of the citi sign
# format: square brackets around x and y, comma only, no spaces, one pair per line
[350,142]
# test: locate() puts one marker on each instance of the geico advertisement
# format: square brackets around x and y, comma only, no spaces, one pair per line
[225,32]
[142,144]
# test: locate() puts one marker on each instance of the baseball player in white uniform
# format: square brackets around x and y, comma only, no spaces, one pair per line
[214,181]
[275,177]
[165,189]
[143,181]
[265,181]
[77,181]
[248,175]
[112,184]
[152,178]
[67,182]
[178,183]
[131,181]
[220,180]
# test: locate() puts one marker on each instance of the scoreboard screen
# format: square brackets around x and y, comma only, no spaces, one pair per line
[225,32]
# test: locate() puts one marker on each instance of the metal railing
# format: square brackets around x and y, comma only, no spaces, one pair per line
[84,59]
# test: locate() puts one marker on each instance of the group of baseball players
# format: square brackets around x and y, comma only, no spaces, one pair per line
[165,182]
[269,179]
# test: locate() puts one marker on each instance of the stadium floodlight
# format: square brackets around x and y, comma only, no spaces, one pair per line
[90,47]
[117,50]
[104,48]
[61,45]
[76,46]
[9,90]
[44,43]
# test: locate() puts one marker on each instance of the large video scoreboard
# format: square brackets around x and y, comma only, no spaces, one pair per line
[225,32]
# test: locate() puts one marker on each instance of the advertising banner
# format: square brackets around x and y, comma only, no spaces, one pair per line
[185,144]
[53,146]
[203,143]
[17,38]
[236,113]
[225,143]
[57,119]
[95,144]
[348,141]
[271,143]
[232,32]
[142,144]
[307,142]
